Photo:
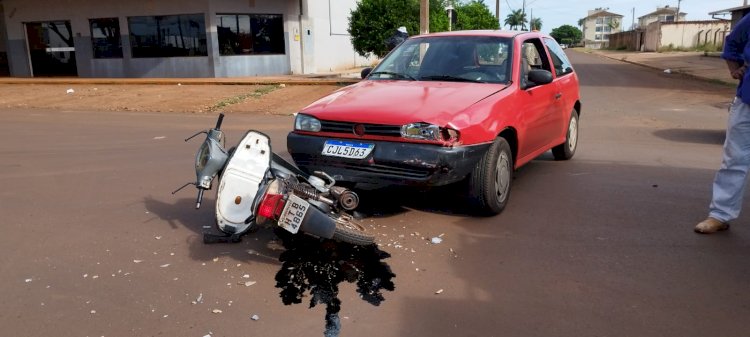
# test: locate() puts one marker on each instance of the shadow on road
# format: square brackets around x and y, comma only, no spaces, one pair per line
[696,136]
[258,245]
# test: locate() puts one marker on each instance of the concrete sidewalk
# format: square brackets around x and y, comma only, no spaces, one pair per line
[698,65]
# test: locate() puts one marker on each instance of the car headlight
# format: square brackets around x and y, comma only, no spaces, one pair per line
[306,123]
[425,131]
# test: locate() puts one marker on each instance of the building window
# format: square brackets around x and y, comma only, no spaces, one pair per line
[599,29]
[666,18]
[105,38]
[598,37]
[599,20]
[248,34]
[168,36]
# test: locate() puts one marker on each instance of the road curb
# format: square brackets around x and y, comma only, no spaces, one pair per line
[183,81]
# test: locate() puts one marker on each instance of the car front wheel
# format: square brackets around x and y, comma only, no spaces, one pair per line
[566,150]
[489,183]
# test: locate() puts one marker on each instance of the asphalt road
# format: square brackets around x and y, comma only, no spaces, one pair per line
[94,244]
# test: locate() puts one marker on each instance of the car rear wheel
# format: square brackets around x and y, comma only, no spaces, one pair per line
[566,150]
[489,183]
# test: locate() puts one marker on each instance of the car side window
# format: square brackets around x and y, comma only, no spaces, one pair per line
[559,59]
[533,56]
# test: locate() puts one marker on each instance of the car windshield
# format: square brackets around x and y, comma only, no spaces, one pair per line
[481,59]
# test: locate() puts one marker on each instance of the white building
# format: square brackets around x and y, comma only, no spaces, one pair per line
[173,38]
[598,25]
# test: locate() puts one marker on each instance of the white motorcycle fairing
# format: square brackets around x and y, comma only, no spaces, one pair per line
[241,182]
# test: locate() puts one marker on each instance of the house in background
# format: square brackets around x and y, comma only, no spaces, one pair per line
[176,38]
[662,14]
[598,25]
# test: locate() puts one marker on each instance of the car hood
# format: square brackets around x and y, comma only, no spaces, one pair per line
[401,102]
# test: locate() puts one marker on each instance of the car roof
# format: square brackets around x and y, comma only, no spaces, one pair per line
[496,33]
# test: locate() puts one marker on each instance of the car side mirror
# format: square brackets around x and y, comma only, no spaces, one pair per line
[539,77]
[365,72]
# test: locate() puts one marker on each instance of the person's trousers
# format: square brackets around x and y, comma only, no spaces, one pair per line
[730,180]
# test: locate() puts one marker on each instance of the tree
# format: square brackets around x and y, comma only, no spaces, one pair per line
[515,19]
[566,34]
[373,21]
[474,15]
[536,24]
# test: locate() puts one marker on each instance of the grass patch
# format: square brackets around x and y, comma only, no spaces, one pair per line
[242,97]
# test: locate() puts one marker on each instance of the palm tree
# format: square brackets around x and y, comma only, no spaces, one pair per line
[515,19]
[536,24]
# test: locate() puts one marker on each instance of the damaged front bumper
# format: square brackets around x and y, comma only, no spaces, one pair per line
[389,163]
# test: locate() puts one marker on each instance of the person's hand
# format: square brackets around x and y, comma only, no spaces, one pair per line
[739,72]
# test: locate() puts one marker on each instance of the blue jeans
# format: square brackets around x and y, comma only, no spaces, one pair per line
[730,180]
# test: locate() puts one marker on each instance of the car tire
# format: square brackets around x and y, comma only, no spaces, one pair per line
[489,183]
[567,149]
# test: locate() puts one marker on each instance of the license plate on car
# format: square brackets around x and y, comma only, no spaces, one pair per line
[347,149]
[293,213]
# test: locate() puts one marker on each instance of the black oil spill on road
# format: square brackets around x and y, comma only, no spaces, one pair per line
[319,266]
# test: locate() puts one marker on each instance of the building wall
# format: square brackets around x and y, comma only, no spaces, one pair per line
[687,34]
[329,19]
[321,45]
[691,34]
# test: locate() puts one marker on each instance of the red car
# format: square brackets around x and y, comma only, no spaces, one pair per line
[465,106]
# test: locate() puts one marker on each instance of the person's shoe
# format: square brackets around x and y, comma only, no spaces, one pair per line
[711,225]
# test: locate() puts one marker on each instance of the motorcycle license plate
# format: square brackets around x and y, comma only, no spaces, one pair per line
[293,213]
[347,149]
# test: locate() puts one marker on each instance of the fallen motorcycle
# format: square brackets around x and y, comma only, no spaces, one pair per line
[257,187]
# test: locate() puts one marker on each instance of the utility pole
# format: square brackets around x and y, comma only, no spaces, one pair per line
[677,17]
[523,11]
[497,12]
[424,17]
[632,26]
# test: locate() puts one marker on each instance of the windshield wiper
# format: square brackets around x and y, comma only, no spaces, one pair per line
[449,78]
[398,75]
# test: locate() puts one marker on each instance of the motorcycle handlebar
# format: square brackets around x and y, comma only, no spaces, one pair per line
[218,122]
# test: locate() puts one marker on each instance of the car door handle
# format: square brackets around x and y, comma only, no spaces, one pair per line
[558,96]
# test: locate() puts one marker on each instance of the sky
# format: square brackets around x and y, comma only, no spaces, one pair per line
[555,13]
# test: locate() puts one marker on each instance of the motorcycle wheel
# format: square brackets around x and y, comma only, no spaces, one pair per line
[350,230]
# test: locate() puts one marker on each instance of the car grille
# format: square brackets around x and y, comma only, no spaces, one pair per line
[370,129]
[369,168]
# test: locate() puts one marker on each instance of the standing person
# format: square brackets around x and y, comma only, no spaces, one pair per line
[400,35]
[729,183]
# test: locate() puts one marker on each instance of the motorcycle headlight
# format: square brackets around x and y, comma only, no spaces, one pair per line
[306,123]
[425,131]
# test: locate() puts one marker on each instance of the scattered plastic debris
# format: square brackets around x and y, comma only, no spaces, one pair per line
[157,237]
[137,261]
[216,311]
[255,317]
[216,259]
[247,284]
[282,85]
[95,277]
[93,312]
[70,91]
[436,240]
[439,291]
[668,71]
[246,276]
[85,275]
[165,265]
[159,138]
[28,280]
